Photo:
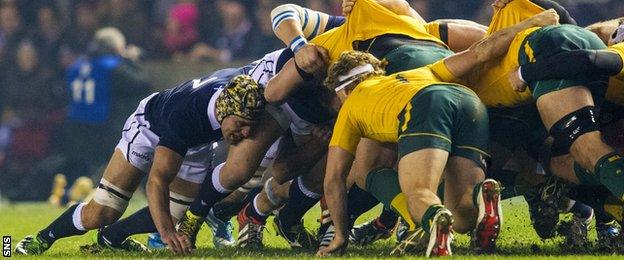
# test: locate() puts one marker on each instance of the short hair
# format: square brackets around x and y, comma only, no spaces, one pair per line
[110,39]
[349,60]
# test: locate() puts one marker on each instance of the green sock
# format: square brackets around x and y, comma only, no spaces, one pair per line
[427,218]
[610,170]
[383,184]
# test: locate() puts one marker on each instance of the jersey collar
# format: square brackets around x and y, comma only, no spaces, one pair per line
[211,110]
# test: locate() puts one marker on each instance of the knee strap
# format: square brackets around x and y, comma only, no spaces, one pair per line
[570,127]
[178,204]
[112,196]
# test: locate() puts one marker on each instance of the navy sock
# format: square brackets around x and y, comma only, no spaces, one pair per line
[138,223]
[252,212]
[359,202]
[299,203]
[226,210]
[208,196]
[581,210]
[62,227]
[388,218]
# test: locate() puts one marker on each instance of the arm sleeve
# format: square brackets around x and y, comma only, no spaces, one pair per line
[573,64]
[345,135]
[309,20]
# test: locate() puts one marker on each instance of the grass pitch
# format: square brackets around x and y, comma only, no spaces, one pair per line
[517,240]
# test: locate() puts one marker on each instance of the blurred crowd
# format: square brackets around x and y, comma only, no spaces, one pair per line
[41,39]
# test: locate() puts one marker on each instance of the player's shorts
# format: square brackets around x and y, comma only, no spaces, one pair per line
[551,40]
[286,118]
[138,143]
[447,117]
[518,127]
[412,56]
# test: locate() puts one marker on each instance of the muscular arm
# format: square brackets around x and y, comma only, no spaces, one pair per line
[290,21]
[338,164]
[164,169]
[459,34]
[495,45]
[573,64]
[283,84]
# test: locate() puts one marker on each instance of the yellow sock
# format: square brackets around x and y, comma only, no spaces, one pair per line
[399,204]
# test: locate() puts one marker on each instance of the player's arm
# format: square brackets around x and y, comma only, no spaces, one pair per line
[493,46]
[605,29]
[294,25]
[164,169]
[458,34]
[290,78]
[573,64]
[335,191]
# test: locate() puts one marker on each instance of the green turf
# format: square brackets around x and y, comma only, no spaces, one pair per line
[517,240]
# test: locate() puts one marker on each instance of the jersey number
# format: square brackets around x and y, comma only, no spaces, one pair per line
[84,88]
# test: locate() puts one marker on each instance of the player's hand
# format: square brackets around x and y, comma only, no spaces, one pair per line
[545,18]
[517,84]
[498,4]
[347,6]
[309,58]
[177,242]
[338,246]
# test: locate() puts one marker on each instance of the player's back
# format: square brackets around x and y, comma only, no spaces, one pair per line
[376,103]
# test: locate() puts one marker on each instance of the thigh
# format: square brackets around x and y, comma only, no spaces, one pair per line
[369,155]
[120,173]
[422,169]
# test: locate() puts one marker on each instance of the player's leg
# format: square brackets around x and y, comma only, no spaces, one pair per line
[242,161]
[110,201]
[117,235]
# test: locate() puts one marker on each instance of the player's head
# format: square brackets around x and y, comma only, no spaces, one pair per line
[606,30]
[618,35]
[238,107]
[111,40]
[352,68]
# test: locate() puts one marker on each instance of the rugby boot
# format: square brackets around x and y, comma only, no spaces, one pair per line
[189,225]
[31,246]
[221,231]
[100,243]
[296,236]
[609,238]
[441,234]
[369,232]
[489,218]
[575,233]
[250,231]
[154,241]
[413,242]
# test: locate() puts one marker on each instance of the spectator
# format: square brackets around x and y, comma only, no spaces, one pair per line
[234,40]
[49,36]
[127,16]
[80,32]
[10,25]
[34,115]
[181,27]
[104,87]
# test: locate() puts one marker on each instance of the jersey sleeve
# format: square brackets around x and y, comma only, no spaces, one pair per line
[346,135]
[441,71]
[179,133]
[439,30]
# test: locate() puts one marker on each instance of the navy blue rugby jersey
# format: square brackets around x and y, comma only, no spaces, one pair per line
[181,116]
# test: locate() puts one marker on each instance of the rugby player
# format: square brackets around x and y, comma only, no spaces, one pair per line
[409,96]
[411,48]
[168,137]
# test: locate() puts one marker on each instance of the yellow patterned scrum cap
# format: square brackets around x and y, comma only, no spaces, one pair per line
[242,97]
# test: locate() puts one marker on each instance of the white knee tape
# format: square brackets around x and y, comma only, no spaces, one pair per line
[178,204]
[111,196]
